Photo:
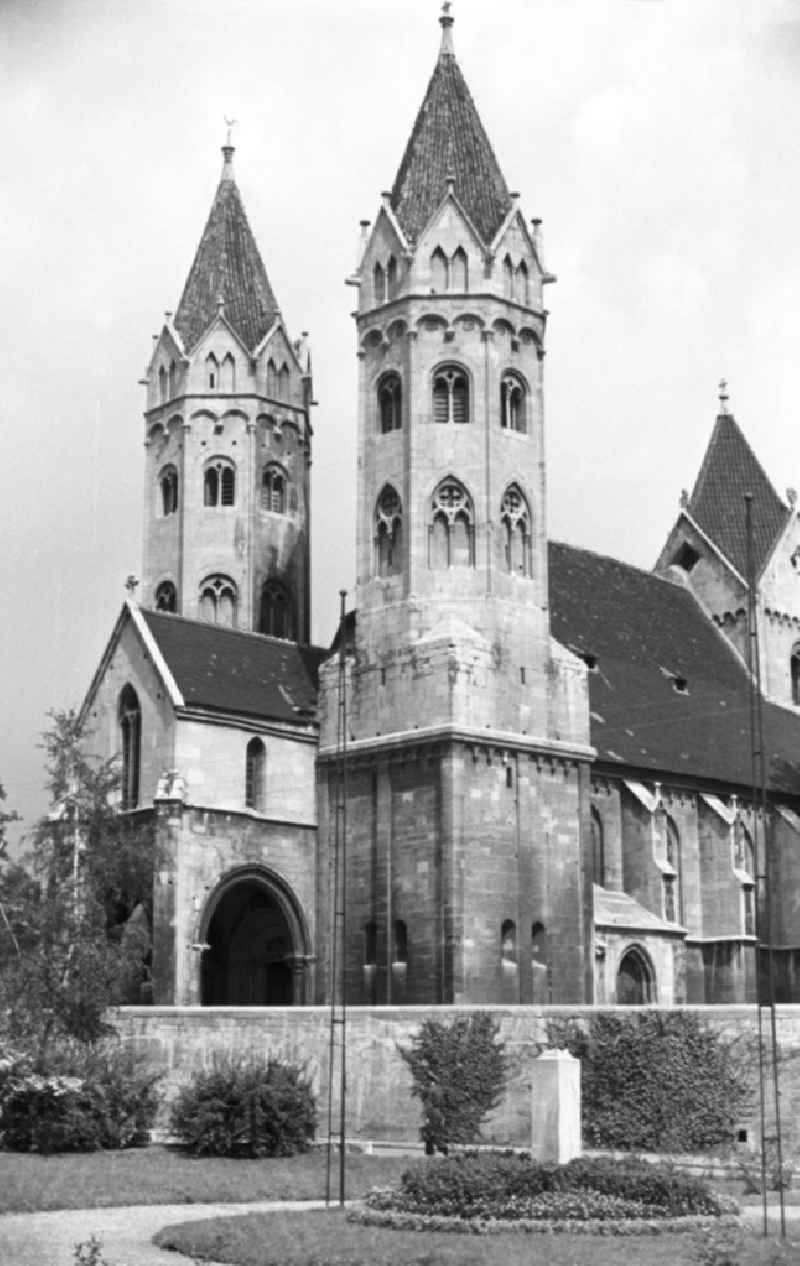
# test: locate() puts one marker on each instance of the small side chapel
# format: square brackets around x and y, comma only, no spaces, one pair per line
[550,791]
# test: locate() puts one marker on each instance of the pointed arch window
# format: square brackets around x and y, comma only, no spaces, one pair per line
[255,775]
[508,944]
[451,531]
[379,283]
[635,978]
[598,848]
[515,517]
[672,881]
[512,404]
[277,614]
[283,382]
[219,483]
[795,675]
[522,282]
[162,385]
[171,378]
[508,278]
[227,374]
[218,601]
[390,403]
[745,863]
[388,532]
[130,724]
[212,372]
[168,481]
[273,489]
[166,597]
[540,964]
[459,274]
[450,394]
[272,379]
[391,278]
[440,271]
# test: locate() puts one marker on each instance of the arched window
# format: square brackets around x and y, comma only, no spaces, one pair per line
[227,374]
[522,282]
[272,379]
[515,518]
[512,404]
[795,671]
[390,400]
[400,946]
[283,382]
[254,778]
[166,597]
[439,271]
[450,395]
[277,616]
[540,963]
[219,483]
[273,489]
[171,379]
[459,274]
[388,532]
[218,601]
[379,283]
[162,384]
[672,882]
[451,532]
[745,863]
[212,372]
[130,724]
[508,943]
[508,278]
[391,278]
[635,979]
[169,490]
[598,848]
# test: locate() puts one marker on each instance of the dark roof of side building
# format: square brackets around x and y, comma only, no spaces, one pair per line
[448,139]
[730,469]
[225,670]
[227,265]
[667,692]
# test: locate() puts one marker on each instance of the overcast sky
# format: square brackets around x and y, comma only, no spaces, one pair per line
[655,138]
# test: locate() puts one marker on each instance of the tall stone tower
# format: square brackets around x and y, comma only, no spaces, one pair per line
[468,726]
[228,442]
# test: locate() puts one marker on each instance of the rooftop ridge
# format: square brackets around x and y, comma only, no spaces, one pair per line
[224,629]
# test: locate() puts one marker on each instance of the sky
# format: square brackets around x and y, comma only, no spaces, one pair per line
[656,139]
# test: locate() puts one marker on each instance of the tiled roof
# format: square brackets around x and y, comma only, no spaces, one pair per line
[448,139]
[730,469]
[649,635]
[618,910]
[228,671]
[227,263]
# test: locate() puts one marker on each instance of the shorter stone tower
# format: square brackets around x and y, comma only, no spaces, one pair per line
[228,443]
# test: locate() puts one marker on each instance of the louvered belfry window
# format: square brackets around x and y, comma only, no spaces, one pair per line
[450,395]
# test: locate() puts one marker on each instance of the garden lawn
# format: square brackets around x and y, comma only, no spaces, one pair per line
[166,1175]
[326,1239]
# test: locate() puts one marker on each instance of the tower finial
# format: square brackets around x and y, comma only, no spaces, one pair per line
[723,397]
[446,23]
[228,151]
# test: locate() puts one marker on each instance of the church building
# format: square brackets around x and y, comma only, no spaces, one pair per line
[549,775]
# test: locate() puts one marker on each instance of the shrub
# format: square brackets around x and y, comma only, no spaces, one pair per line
[658,1081]
[459,1071]
[256,1107]
[749,1167]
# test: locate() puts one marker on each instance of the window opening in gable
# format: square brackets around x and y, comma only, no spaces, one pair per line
[439,271]
[272,379]
[171,379]
[391,277]
[451,531]
[508,278]
[390,401]
[515,518]
[459,267]
[686,557]
[166,597]
[450,395]
[522,282]
[227,374]
[277,614]
[162,385]
[212,372]
[379,283]
[130,723]
[255,771]
[283,382]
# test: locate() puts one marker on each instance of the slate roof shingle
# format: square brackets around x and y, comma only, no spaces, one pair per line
[645,632]
[227,263]
[227,670]
[448,139]
[729,469]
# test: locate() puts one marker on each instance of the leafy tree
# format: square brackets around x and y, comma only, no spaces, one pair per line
[81,908]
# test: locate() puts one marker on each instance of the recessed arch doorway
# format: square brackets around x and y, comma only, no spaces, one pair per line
[636,979]
[255,946]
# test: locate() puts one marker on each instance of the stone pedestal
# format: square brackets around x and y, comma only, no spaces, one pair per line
[556,1107]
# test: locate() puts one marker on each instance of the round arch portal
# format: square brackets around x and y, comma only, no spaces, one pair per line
[636,979]
[255,946]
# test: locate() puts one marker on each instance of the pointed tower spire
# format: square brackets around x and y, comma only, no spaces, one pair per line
[724,399]
[228,151]
[446,22]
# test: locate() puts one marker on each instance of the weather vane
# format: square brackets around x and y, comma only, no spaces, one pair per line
[229,123]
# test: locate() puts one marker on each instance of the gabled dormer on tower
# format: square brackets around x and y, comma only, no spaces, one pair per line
[228,442]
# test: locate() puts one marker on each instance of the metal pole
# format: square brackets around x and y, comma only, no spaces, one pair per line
[343,850]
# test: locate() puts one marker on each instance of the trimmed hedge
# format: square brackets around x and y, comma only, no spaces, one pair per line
[656,1081]
[255,1107]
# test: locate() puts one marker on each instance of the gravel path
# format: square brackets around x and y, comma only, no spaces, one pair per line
[49,1239]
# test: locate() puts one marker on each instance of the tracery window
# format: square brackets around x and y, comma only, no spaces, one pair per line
[451,532]
[218,601]
[130,724]
[273,489]
[255,770]
[388,532]
[219,483]
[390,402]
[512,404]
[277,614]
[169,490]
[166,597]
[515,517]
[450,395]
